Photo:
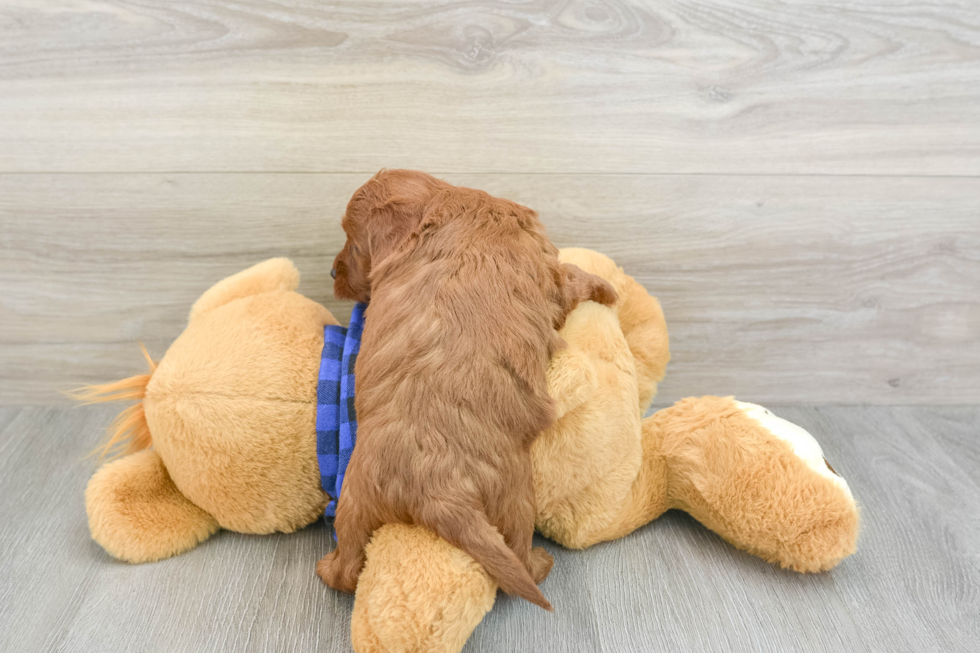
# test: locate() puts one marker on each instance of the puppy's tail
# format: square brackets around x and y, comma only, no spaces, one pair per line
[470,531]
[129,432]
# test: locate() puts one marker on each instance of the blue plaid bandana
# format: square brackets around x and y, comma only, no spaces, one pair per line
[336,421]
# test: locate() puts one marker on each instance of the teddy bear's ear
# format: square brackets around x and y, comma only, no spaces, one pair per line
[137,514]
[267,276]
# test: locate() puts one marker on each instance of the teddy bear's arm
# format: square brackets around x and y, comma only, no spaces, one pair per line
[642,321]
[572,380]
[267,276]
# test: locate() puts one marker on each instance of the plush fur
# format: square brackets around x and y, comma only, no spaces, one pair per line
[601,471]
[730,472]
[411,566]
[216,413]
[238,389]
[231,409]
[465,295]
[137,513]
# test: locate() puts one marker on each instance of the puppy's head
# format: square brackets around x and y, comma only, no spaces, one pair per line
[380,216]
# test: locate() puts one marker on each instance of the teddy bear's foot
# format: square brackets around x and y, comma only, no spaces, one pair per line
[830,533]
[418,593]
[759,481]
[137,513]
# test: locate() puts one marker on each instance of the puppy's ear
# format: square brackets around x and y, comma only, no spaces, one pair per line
[393,222]
[399,201]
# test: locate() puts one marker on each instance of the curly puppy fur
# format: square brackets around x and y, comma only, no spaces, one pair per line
[466,293]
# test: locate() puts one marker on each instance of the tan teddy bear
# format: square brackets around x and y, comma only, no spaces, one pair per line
[230,413]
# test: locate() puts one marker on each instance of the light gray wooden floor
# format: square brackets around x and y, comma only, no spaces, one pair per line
[914,585]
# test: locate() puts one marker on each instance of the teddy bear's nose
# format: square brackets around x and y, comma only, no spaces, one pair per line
[333,273]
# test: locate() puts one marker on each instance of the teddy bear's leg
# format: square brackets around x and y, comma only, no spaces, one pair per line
[417,593]
[137,514]
[647,497]
[759,481]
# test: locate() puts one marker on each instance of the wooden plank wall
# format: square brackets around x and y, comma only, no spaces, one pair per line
[798,183]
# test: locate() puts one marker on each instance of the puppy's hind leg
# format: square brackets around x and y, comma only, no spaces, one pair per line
[513,513]
[341,567]
[469,529]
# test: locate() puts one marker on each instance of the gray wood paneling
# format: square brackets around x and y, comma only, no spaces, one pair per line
[779,289]
[798,183]
[723,86]
[914,584]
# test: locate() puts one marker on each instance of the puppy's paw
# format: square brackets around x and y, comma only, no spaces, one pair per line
[582,285]
[331,571]
[325,567]
[602,291]
[541,564]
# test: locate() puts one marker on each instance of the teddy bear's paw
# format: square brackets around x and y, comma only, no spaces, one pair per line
[759,481]
[820,527]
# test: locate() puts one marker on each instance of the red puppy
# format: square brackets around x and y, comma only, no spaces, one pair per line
[466,293]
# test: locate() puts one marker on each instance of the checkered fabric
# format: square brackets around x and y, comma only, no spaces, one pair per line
[336,420]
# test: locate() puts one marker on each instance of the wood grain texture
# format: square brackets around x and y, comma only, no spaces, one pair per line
[60,591]
[718,86]
[905,472]
[7,415]
[776,289]
[797,182]
[914,584]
